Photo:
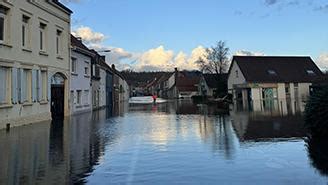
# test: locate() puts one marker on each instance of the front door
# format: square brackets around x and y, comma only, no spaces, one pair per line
[57,101]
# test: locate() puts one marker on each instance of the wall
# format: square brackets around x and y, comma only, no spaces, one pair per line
[80,81]
[15,56]
[233,79]
[102,88]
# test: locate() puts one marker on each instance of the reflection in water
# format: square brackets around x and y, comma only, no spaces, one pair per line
[253,127]
[281,107]
[177,142]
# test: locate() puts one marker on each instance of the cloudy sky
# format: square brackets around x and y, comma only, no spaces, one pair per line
[162,34]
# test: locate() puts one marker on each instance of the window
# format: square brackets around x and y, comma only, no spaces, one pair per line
[272,72]
[287,88]
[86,97]
[310,72]
[72,97]
[2,23]
[58,41]
[73,65]
[27,86]
[42,36]
[78,100]
[25,31]
[86,71]
[237,75]
[4,76]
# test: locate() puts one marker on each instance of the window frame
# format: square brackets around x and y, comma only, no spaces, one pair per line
[42,36]
[74,67]
[25,37]
[3,16]
[86,71]
[7,86]
[59,35]
[79,97]
[86,96]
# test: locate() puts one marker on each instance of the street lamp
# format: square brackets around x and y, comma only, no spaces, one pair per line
[104,51]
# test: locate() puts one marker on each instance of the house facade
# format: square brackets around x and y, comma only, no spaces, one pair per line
[81,92]
[265,83]
[209,84]
[103,83]
[34,61]
[121,89]
[177,84]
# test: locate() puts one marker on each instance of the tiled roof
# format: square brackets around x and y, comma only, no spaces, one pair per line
[212,79]
[75,42]
[269,69]
[188,81]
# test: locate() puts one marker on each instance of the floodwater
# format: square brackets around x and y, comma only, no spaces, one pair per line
[171,143]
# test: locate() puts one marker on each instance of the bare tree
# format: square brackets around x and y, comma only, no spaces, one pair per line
[203,66]
[217,62]
[217,59]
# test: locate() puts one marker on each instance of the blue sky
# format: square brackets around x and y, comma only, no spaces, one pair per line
[271,27]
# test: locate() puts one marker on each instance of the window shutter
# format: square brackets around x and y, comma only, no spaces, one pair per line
[3,85]
[18,87]
[34,88]
[22,86]
[39,85]
[14,85]
[49,88]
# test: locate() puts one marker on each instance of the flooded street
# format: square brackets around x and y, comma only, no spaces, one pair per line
[171,143]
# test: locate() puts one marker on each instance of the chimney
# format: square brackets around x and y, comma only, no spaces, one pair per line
[103,58]
[113,66]
[176,69]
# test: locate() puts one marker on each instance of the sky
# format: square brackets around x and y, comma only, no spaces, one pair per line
[163,34]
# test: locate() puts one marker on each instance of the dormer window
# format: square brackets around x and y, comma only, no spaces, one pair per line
[310,72]
[272,72]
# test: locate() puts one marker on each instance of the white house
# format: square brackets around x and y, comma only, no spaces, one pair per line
[34,61]
[267,82]
[80,97]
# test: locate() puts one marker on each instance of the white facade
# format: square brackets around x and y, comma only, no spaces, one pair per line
[80,95]
[102,88]
[283,96]
[235,77]
[124,91]
[34,45]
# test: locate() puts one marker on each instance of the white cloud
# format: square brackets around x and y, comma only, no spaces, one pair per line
[322,61]
[88,35]
[155,59]
[95,40]
[248,53]
[159,58]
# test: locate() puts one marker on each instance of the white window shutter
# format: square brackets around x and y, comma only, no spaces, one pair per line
[34,87]
[49,88]
[22,86]
[3,85]
[14,85]
[39,85]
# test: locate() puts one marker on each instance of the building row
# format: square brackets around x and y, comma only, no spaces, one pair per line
[255,82]
[45,72]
